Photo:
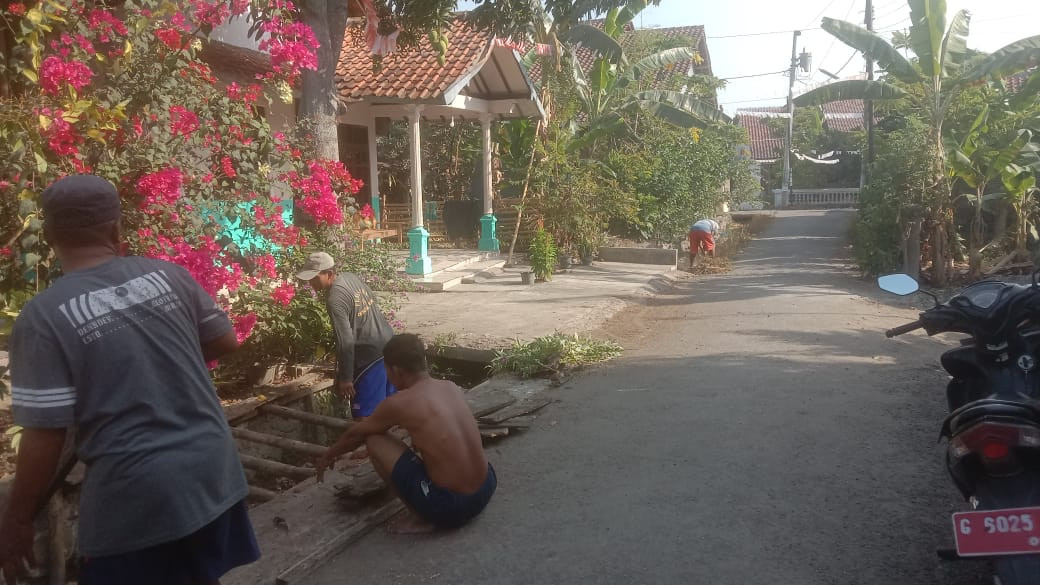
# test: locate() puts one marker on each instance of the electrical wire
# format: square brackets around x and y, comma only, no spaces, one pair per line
[835,39]
[753,75]
[758,34]
[783,97]
[817,17]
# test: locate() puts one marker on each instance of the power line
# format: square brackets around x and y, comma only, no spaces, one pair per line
[835,39]
[817,17]
[753,75]
[783,97]
[758,34]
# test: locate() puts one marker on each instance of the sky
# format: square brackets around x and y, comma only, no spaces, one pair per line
[738,47]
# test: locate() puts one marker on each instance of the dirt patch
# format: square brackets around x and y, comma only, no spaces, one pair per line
[742,229]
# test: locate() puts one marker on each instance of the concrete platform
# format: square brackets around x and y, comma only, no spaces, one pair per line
[494,308]
[452,267]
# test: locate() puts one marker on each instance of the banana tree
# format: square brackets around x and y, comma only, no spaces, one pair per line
[931,81]
[977,162]
[608,91]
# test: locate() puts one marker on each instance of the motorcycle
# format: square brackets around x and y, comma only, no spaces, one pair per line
[993,426]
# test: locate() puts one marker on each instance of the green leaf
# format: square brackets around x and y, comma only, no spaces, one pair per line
[928,18]
[852,89]
[598,41]
[873,46]
[41,163]
[955,45]
[31,75]
[690,105]
[654,63]
[1012,58]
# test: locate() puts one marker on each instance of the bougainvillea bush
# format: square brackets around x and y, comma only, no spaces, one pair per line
[119,90]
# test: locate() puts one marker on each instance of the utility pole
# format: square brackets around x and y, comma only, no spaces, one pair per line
[868,107]
[790,118]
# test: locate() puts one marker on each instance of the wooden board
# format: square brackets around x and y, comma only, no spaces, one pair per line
[309,417]
[493,433]
[526,406]
[291,392]
[484,404]
[309,449]
[302,528]
[518,423]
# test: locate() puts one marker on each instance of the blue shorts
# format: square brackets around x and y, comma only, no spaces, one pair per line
[201,557]
[371,387]
[434,504]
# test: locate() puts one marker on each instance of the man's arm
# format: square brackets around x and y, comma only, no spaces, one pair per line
[341,313]
[219,347]
[381,421]
[38,456]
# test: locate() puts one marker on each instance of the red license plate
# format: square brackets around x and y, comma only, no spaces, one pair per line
[1015,531]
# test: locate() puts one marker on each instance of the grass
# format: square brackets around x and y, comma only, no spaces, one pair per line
[553,354]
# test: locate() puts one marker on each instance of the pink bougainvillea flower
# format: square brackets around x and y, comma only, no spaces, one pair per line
[62,138]
[284,293]
[266,266]
[183,122]
[160,187]
[229,169]
[171,38]
[16,8]
[367,212]
[243,325]
[56,73]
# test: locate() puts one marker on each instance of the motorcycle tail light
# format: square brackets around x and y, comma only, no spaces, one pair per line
[994,440]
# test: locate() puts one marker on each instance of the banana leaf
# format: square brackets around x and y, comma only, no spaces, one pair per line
[851,89]
[1012,58]
[927,31]
[873,46]
[955,45]
[686,103]
[654,63]
[596,40]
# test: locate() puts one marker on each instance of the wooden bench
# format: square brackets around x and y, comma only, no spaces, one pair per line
[376,234]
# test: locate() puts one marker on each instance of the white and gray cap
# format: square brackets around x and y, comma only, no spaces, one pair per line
[316,262]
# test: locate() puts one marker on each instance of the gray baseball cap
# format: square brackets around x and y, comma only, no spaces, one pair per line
[79,201]
[316,262]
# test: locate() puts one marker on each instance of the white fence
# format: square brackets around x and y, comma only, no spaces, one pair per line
[816,198]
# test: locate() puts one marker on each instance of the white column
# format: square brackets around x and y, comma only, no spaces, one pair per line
[485,126]
[414,117]
[373,173]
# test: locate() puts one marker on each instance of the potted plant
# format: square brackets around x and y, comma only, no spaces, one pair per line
[542,255]
[566,253]
[587,248]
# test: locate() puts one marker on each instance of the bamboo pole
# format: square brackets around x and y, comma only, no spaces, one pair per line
[310,417]
[281,442]
[275,468]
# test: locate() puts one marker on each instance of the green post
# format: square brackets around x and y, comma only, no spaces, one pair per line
[418,262]
[488,234]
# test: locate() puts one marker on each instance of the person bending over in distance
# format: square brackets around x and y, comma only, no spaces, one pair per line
[444,478]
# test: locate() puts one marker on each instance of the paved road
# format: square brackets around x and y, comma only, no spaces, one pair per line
[760,429]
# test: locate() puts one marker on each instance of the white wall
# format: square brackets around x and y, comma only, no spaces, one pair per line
[236,32]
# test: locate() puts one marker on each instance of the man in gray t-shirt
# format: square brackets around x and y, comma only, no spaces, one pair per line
[361,333]
[116,349]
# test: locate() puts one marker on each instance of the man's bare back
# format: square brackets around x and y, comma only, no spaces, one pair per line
[444,477]
[443,432]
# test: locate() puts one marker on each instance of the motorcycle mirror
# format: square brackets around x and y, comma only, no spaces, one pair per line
[899,284]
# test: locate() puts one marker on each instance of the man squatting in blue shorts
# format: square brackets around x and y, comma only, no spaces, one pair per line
[444,478]
[361,332]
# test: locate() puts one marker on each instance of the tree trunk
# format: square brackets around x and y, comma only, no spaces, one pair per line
[975,238]
[1000,228]
[912,250]
[319,101]
[941,206]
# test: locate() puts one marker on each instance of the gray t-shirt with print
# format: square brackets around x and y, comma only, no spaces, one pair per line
[115,350]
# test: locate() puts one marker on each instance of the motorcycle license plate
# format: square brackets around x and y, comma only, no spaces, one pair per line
[1013,531]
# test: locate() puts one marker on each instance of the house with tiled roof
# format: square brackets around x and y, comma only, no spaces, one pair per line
[481,79]
[767,145]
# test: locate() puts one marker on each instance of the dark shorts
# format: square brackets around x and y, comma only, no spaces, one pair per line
[371,387]
[438,506]
[201,557]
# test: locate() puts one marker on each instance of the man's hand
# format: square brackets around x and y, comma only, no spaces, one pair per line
[345,389]
[16,547]
[324,462]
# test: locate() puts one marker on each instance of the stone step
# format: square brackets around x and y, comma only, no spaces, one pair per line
[458,274]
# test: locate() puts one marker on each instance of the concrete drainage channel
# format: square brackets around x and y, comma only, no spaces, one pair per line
[303,526]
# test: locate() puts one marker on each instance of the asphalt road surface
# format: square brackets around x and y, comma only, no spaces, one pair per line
[759,429]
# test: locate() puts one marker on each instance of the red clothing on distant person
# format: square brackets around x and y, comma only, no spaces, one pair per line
[699,238]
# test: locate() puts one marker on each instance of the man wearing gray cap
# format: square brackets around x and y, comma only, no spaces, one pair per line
[361,333]
[116,349]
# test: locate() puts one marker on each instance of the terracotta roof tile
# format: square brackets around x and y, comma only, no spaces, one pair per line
[764,144]
[244,63]
[412,74]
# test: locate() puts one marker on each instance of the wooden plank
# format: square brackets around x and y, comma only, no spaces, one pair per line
[291,392]
[333,546]
[493,433]
[526,406]
[318,419]
[292,527]
[275,468]
[484,404]
[259,493]
[281,442]
[515,423]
